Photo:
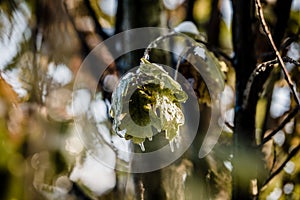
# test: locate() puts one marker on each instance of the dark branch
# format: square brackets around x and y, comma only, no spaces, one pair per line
[93,14]
[281,126]
[280,168]
[190,11]
[214,24]
[260,74]
[81,36]
[282,11]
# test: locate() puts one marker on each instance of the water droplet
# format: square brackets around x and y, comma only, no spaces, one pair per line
[150,138]
[289,127]
[142,146]
[289,167]
[288,188]
[279,138]
[228,165]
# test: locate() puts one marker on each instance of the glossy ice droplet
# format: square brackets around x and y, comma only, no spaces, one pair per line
[142,146]
[150,138]
[288,188]
[289,167]
[121,133]
[279,138]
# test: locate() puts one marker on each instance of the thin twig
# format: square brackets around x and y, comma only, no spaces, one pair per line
[290,60]
[278,56]
[280,168]
[262,68]
[155,42]
[231,127]
[281,126]
[142,190]
[186,51]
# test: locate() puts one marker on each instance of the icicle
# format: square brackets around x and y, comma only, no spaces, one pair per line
[172,145]
[142,146]
[166,135]
[177,140]
[146,56]
[121,133]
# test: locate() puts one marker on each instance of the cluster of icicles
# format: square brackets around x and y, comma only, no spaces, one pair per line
[147,102]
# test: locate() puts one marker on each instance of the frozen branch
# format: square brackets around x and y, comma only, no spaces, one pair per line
[263,69]
[278,56]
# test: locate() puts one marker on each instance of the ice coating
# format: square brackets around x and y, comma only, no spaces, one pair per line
[147,100]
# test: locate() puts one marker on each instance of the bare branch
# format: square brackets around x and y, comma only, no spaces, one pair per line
[278,56]
[280,168]
[156,41]
[281,126]
[98,26]
[263,68]
[85,46]
[290,60]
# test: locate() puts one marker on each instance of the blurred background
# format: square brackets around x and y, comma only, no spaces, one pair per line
[42,45]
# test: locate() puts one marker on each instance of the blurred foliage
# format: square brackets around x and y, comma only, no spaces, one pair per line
[38,145]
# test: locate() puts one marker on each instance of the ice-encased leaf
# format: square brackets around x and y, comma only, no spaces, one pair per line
[147,100]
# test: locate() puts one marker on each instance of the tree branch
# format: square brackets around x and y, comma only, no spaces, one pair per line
[262,69]
[278,56]
[81,36]
[99,28]
[280,168]
[214,24]
[281,126]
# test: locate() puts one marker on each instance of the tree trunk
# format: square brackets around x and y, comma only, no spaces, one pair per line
[214,24]
[190,11]
[134,14]
[244,122]
[282,11]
